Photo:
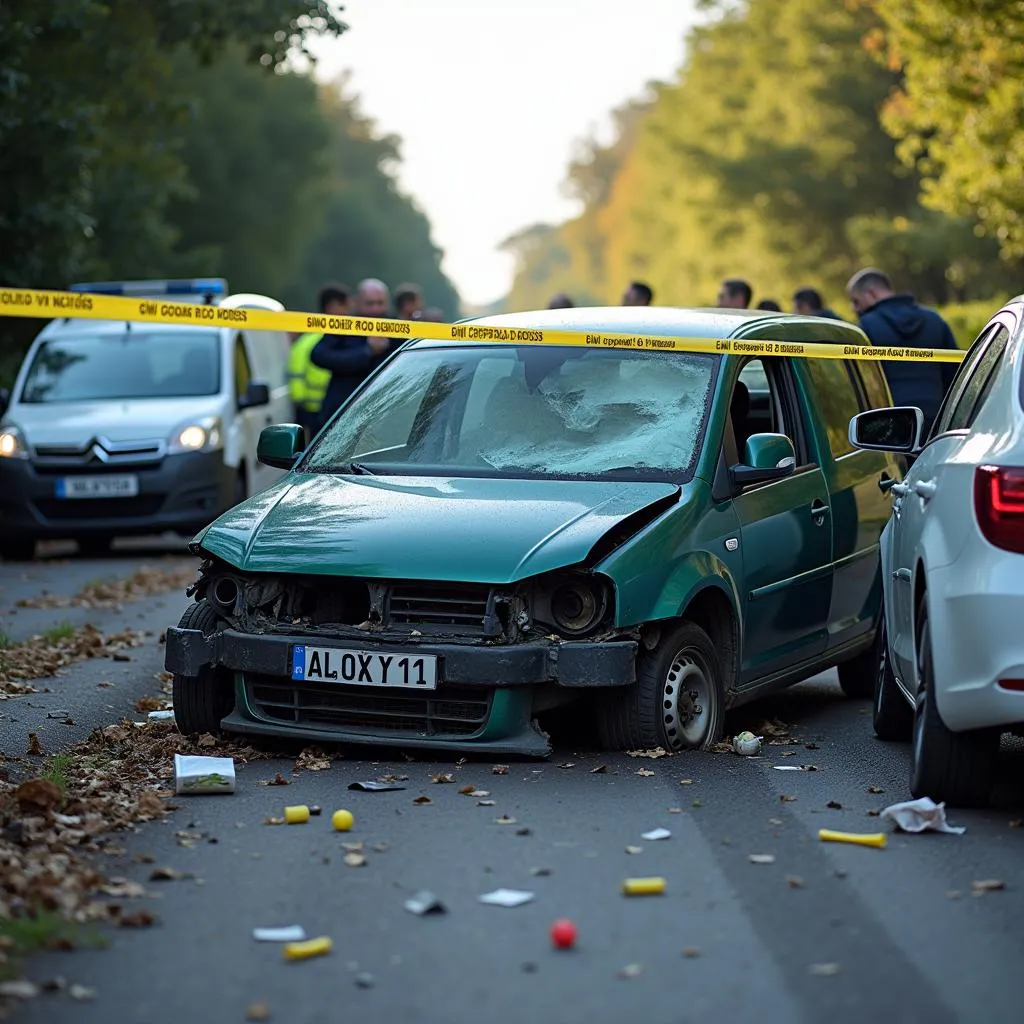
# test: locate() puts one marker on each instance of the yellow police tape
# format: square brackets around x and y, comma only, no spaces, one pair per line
[26,302]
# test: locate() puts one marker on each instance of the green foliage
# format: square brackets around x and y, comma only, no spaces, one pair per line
[62,631]
[45,930]
[966,319]
[57,771]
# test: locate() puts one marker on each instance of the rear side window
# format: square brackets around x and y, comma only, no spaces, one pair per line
[873,381]
[837,401]
[977,387]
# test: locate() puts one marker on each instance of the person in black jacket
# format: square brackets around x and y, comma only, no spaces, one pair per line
[351,358]
[897,321]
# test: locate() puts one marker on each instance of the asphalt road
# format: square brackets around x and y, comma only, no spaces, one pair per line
[910,940]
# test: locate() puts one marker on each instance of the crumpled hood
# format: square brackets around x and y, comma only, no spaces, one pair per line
[468,530]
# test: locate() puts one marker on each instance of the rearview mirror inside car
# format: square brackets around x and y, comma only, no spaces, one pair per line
[255,395]
[281,445]
[897,429]
[765,457]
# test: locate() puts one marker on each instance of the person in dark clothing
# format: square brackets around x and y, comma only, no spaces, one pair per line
[638,294]
[808,302]
[769,306]
[350,358]
[897,321]
[735,293]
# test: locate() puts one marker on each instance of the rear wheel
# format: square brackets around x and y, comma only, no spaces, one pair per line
[955,767]
[17,549]
[677,701]
[892,715]
[200,702]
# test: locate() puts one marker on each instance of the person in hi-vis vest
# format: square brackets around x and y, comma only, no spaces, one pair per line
[307,383]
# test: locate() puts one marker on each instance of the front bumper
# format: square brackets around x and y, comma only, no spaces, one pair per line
[483,699]
[180,492]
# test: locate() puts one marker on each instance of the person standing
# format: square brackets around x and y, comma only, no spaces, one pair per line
[769,306]
[638,294]
[560,301]
[307,383]
[897,321]
[350,359]
[808,302]
[408,301]
[735,293]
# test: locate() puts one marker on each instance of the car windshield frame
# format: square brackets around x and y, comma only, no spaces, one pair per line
[35,376]
[361,462]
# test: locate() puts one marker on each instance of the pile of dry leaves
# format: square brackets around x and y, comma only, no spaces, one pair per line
[41,656]
[113,593]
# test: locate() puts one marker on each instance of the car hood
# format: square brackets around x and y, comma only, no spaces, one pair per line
[468,530]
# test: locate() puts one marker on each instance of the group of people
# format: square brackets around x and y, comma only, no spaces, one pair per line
[324,369]
[888,318]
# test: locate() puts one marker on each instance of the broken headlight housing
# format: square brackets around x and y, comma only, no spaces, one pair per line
[573,604]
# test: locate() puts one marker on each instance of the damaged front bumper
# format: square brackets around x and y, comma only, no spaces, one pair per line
[483,700]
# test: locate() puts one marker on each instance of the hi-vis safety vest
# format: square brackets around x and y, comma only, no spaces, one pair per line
[307,384]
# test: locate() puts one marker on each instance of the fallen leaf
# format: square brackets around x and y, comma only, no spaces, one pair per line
[645,772]
[123,889]
[599,770]
[504,820]
[273,821]
[277,780]
[875,789]
[835,805]
[786,799]
[696,803]
[524,832]
[824,970]
[655,752]
[149,704]
[257,1012]
[137,919]
[874,813]
[686,782]
[38,796]
[312,759]
[540,872]
[34,746]
[440,779]
[794,881]
[811,746]
[988,885]
[165,875]
[499,769]
[422,800]
[634,849]
[394,778]
[467,790]
[354,860]
[691,952]
[761,858]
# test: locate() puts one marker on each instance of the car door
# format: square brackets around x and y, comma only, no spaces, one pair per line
[785,536]
[860,508]
[249,421]
[913,497]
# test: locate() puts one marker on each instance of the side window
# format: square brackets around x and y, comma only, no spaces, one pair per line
[243,373]
[978,385]
[960,381]
[836,399]
[763,402]
[873,382]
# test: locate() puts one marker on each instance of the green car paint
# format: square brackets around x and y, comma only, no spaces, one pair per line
[791,563]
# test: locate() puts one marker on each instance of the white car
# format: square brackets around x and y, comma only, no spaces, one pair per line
[117,428]
[951,645]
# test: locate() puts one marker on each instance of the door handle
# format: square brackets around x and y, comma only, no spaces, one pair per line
[900,490]
[925,488]
[886,483]
[819,510]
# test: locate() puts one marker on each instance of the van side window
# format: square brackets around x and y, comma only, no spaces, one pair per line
[243,373]
[836,399]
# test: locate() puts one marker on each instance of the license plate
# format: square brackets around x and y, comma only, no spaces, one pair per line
[98,487]
[363,668]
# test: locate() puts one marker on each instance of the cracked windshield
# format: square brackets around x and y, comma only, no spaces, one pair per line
[511,511]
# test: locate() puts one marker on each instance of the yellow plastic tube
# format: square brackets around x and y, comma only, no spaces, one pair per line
[875,839]
[296,815]
[311,947]
[643,886]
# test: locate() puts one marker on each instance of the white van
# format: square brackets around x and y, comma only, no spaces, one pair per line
[116,428]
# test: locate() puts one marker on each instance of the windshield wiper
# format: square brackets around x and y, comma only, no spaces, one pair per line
[358,469]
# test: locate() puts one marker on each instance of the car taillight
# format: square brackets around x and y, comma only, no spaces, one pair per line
[999,506]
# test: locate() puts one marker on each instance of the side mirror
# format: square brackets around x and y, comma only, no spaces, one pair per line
[5,400]
[255,395]
[766,457]
[888,430]
[281,445]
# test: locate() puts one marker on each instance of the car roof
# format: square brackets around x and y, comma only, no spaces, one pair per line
[668,321]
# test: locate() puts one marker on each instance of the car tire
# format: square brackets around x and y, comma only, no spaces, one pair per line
[955,767]
[857,676]
[682,673]
[892,714]
[200,702]
[17,550]
[94,547]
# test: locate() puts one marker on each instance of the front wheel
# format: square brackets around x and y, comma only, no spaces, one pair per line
[677,701]
[956,767]
[200,702]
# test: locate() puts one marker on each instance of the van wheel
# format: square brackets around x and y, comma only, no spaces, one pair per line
[200,702]
[17,549]
[956,767]
[892,715]
[677,701]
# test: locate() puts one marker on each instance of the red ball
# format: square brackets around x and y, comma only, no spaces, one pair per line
[563,934]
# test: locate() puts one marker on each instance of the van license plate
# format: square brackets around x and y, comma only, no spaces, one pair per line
[363,668]
[98,487]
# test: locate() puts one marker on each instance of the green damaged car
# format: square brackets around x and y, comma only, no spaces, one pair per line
[487,530]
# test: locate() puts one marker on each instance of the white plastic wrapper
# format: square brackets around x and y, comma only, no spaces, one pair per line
[923,815]
[506,898]
[290,933]
[203,774]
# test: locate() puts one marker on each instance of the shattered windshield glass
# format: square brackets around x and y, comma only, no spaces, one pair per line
[537,411]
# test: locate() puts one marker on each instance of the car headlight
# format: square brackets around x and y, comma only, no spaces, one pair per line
[577,604]
[12,444]
[200,436]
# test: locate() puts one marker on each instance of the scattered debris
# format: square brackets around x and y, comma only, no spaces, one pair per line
[920,816]
[165,715]
[355,860]
[146,581]
[257,1012]
[375,787]
[795,767]
[834,805]
[794,881]
[691,952]
[394,778]
[472,791]
[197,774]
[786,798]
[291,933]
[296,814]
[656,752]
[34,746]
[987,885]
[824,970]
[499,769]
[540,872]
[485,803]
[563,934]
[315,811]
[506,898]
[761,858]
[630,971]
[310,948]
[674,810]
[656,833]
[352,847]
[505,820]
[61,713]
[277,780]
[312,759]
[524,832]
[634,849]
[443,778]
[643,886]
[568,764]
[599,770]
[645,772]
[38,796]
[425,902]
[364,980]
[421,800]
[137,919]
[746,744]
[686,782]
[82,993]
[876,839]
[40,657]
[875,789]
[166,875]
[273,821]
[342,820]
[20,989]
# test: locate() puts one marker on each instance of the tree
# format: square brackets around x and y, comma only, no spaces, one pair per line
[958,109]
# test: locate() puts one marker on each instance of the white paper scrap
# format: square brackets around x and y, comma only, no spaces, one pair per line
[657,833]
[194,774]
[292,933]
[921,816]
[506,898]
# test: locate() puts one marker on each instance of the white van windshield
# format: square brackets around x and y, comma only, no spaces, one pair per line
[136,364]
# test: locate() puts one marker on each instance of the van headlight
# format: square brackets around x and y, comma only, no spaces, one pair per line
[198,436]
[12,444]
